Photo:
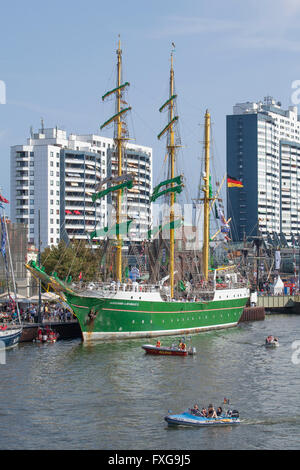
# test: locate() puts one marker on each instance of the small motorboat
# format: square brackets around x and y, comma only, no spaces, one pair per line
[9,337]
[271,342]
[46,335]
[168,351]
[231,417]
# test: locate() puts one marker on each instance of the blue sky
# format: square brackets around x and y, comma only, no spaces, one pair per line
[58,58]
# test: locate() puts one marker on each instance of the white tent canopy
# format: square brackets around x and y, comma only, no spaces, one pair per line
[278,286]
[5,296]
[45,296]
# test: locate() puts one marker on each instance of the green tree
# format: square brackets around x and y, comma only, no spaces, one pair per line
[73,259]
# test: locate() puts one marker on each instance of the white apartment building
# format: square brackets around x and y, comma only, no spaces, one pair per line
[55,175]
[137,160]
[263,150]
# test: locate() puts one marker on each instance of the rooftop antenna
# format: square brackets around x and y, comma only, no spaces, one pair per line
[42,125]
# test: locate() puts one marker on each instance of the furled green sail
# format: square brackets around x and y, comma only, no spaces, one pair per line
[174,189]
[173,97]
[127,184]
[167,127]
[115,116]
[176,180]
[114,90]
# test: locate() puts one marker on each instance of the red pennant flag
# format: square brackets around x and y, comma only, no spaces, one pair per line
[2,199]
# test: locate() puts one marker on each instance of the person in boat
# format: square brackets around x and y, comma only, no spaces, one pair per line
[182,346]
[204,412]
[158,343]
[211,412]
[269,339]
[195,410]
[219,411]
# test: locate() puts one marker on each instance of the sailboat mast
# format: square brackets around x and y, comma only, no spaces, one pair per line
[172,194]
[119,152]
[205,253]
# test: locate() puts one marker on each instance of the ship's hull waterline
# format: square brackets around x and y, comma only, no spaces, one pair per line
[114,319]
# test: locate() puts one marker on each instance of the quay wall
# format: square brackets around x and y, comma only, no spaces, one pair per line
[253,314]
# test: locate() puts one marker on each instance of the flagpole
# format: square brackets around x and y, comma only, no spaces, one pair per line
[39,264]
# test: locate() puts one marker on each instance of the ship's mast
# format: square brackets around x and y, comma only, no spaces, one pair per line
[171,150]
[206,190]
[119,143]
[174,183]
[120,136]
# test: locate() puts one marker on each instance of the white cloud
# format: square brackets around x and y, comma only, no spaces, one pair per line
[276,30]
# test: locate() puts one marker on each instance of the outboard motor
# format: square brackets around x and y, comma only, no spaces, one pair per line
[235,414]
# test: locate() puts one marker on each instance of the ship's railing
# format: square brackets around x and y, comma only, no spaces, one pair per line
[113,287]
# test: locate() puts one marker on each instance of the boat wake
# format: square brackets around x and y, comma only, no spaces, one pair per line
[267,421]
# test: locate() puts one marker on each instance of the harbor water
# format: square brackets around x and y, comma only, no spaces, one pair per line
[110,396]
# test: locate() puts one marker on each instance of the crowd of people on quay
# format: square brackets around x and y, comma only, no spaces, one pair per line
[29,312]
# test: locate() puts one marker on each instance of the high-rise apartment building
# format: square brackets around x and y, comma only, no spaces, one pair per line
[54,176]
[263,151]
[137,161]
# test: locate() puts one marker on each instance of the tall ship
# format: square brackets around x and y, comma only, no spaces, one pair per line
[123,309]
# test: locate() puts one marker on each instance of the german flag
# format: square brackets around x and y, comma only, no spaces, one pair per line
[234,183]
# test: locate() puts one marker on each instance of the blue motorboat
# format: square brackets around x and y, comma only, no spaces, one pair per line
[190,419]
[10,337]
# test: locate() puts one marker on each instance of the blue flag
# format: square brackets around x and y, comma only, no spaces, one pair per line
[3,238]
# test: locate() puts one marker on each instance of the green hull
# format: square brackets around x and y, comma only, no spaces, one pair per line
[111,318]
